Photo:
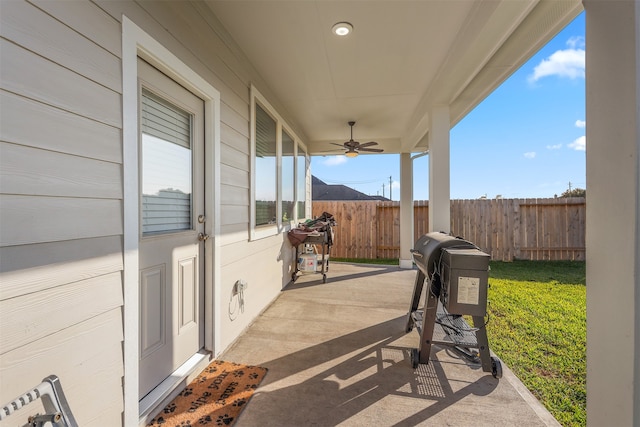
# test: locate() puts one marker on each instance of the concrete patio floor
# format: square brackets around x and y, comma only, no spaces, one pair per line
[338,354]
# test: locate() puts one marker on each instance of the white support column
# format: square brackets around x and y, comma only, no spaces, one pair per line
[439,170]
[613,212]
[406,210]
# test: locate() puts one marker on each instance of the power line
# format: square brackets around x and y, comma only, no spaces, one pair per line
[328,181]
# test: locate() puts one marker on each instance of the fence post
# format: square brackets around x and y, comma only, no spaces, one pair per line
[516,229]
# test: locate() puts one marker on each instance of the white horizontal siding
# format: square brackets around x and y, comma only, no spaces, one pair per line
[27,269]
[234,215]
[233,176]
[28,318]
[235,139]
[234,120]
[34,30]
[234,233]
[88,20]
[30,75]
[87,357]
[57,129]
[61,205]
[236,196]
[243,250]
[27,219]
[33,171]
[234,157]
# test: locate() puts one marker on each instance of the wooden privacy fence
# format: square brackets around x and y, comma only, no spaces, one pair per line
[507,229]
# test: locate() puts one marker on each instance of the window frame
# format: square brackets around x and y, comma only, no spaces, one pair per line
[254,146]
[293,178]
[268,230]
[306,190]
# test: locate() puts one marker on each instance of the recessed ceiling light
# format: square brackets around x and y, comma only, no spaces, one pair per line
[342,28]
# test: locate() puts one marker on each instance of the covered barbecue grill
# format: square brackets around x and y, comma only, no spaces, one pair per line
[306,239]
[456,273]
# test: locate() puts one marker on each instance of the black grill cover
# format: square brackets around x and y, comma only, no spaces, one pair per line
[428,248]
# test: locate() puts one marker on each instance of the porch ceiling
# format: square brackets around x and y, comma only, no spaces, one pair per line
[402,58]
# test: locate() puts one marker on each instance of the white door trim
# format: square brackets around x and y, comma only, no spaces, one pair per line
[137,43]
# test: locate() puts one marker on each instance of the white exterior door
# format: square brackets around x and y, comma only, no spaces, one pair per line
[171,249]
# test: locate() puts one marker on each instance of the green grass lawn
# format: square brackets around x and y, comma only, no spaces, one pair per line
[538,328]
[377,261]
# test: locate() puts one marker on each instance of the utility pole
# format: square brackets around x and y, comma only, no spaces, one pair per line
[569,187]
[390,195]
[382,189]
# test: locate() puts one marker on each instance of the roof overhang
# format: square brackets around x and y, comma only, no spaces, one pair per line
[402,59]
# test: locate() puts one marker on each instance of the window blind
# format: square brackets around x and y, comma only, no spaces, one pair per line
[166,166]
[165,121]
[265,169]
[265,134]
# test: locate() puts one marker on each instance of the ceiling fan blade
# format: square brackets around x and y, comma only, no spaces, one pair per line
[335,143]
[368,144]
[353,147]
[351,144]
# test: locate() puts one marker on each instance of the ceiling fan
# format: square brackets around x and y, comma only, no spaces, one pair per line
[353,147]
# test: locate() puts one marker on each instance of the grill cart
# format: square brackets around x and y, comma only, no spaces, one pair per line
[456,274]
[313,240]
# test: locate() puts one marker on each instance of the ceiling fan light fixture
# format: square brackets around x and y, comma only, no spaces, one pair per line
[351,153]
[342,29]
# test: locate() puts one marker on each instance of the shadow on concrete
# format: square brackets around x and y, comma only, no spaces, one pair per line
[363,368]
[338,354]
[315,279]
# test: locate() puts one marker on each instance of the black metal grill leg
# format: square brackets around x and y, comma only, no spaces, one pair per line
[428,323]
[483,343]
[415,299]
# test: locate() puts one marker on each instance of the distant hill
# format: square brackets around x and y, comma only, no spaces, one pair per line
[324,191]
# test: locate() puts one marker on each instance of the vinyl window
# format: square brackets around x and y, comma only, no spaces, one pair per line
[279,171]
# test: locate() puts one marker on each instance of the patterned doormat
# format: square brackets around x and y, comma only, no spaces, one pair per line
[215,398]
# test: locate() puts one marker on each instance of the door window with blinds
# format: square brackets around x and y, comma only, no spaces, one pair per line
[166,166]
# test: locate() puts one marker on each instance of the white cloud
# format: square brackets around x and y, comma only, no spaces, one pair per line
[554,147]
[576,42]
[562,63]
[334,160]
[530,154]
[581,124]
[579,144]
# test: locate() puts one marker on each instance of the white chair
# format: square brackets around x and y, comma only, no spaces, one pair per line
[58,413]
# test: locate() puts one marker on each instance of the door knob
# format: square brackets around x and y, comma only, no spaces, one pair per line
[202,237]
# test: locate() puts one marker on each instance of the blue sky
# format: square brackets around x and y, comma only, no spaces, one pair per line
[526,139]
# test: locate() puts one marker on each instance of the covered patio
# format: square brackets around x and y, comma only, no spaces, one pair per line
[270,80]
[338,354]
[365,80]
